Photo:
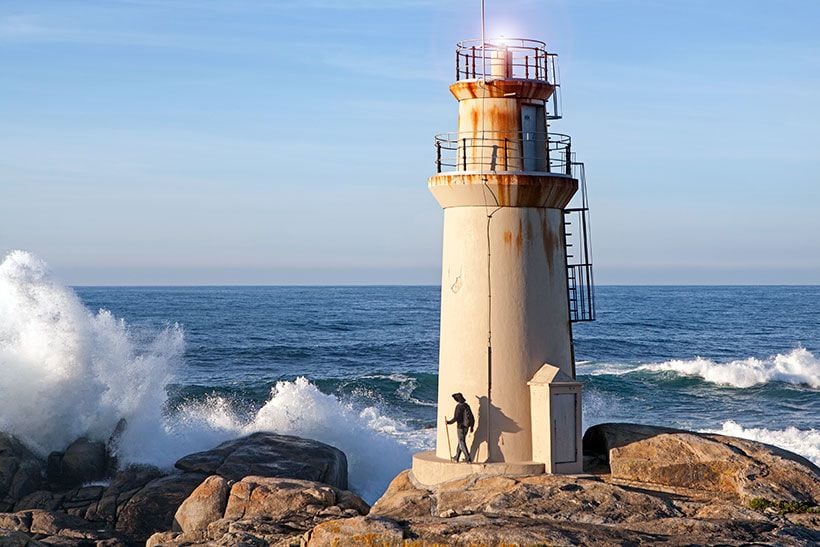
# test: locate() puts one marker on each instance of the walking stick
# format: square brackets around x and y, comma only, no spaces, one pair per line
[447,430]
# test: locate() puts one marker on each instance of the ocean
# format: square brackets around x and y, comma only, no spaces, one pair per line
[189,367]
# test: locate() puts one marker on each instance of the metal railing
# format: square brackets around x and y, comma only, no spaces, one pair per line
[516,151]
[511,58]
[578,237]
[506,58]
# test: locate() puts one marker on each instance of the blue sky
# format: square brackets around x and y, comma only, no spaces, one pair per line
[251,141]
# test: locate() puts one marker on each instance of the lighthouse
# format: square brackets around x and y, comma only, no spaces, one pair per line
[516,267]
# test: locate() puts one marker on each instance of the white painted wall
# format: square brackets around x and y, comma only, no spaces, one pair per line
[530,323]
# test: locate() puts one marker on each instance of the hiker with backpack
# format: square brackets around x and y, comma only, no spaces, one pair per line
[464,421]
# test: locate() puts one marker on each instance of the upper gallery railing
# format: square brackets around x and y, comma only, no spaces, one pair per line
[506,58]
[511,58]
[515,151]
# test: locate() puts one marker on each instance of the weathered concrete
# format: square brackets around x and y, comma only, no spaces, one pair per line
[508,189]
[429,469]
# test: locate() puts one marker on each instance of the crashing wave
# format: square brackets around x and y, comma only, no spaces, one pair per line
[66,372]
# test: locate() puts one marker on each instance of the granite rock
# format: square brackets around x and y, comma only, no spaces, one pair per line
[271,455]
[741,468]
[205,504]
[21,471]
[356,531]
[259,511]
[82,462]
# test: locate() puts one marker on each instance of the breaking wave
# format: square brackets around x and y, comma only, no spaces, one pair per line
[369,439]
[798,367]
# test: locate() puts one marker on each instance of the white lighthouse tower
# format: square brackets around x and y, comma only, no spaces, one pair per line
[516,269]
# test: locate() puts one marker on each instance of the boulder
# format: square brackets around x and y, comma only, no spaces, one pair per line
[665,457]
[271,455]
[152,508]
[205,504]
[122,487]
[82,462]
[356,531]
[21,471]
[50,523]
[404,499]
[281,498]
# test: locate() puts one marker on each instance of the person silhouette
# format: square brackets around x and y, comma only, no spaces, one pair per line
[464,420]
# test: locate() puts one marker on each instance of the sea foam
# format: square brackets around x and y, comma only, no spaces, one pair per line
[66,372]
[799,367]
[801,441]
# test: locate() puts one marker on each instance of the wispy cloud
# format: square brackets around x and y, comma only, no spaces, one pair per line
[222,5]
[19,26]
[32,29]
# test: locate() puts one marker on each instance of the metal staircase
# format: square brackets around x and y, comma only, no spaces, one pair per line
[580,285]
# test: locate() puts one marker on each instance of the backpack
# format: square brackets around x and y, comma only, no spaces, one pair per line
[468,418]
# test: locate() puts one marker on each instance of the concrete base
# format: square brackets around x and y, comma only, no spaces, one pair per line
[431,470]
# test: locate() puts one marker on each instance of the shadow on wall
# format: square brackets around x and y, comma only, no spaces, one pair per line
[490,415]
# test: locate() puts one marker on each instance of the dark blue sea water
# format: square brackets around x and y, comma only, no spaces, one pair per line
[741,358]
[189,367]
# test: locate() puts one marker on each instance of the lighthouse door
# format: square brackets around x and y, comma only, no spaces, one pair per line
[563,427]
[532,140]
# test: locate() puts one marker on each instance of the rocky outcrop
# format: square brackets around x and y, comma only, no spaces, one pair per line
[257,511]
[650,486]
[21,471]
[559,510]
[665,486]
[271,455]
[665,457]
[141,500]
